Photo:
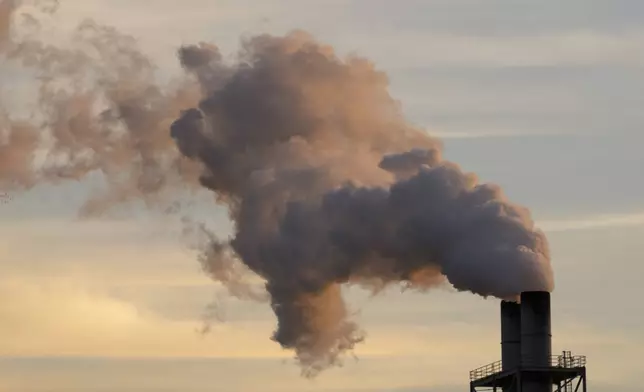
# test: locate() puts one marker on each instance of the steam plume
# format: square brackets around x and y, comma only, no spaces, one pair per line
[326,182]
[98,108]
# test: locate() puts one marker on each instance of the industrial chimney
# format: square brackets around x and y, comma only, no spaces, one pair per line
[527,364]
[536,338]
[510,335]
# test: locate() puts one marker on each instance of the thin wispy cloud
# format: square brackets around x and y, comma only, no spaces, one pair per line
[67,318]
[593,222]
[362,31]
[494,134]
[574,48]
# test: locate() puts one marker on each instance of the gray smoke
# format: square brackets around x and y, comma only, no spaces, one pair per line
[326,182]
[97,108]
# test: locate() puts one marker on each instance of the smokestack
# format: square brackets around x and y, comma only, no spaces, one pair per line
[510,335]
[527,363]
[536,347]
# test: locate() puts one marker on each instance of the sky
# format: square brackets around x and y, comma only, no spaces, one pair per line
[541,97]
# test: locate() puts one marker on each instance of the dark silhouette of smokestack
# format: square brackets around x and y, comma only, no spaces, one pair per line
[510,335]
[527,363]
[536,346]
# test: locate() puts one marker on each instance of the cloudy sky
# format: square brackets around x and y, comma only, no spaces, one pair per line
[541,96]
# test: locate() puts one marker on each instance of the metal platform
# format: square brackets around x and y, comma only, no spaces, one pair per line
[567,373]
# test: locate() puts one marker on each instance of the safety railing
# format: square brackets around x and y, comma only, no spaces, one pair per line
[485,371]
[556,361]
[568,361]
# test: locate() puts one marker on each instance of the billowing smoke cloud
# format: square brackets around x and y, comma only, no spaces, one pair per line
[325,181]
[328,184]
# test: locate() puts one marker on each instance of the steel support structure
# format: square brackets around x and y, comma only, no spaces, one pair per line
[571,378]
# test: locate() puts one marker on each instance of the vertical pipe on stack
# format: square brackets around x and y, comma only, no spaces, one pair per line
[510,335]
[536,337]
